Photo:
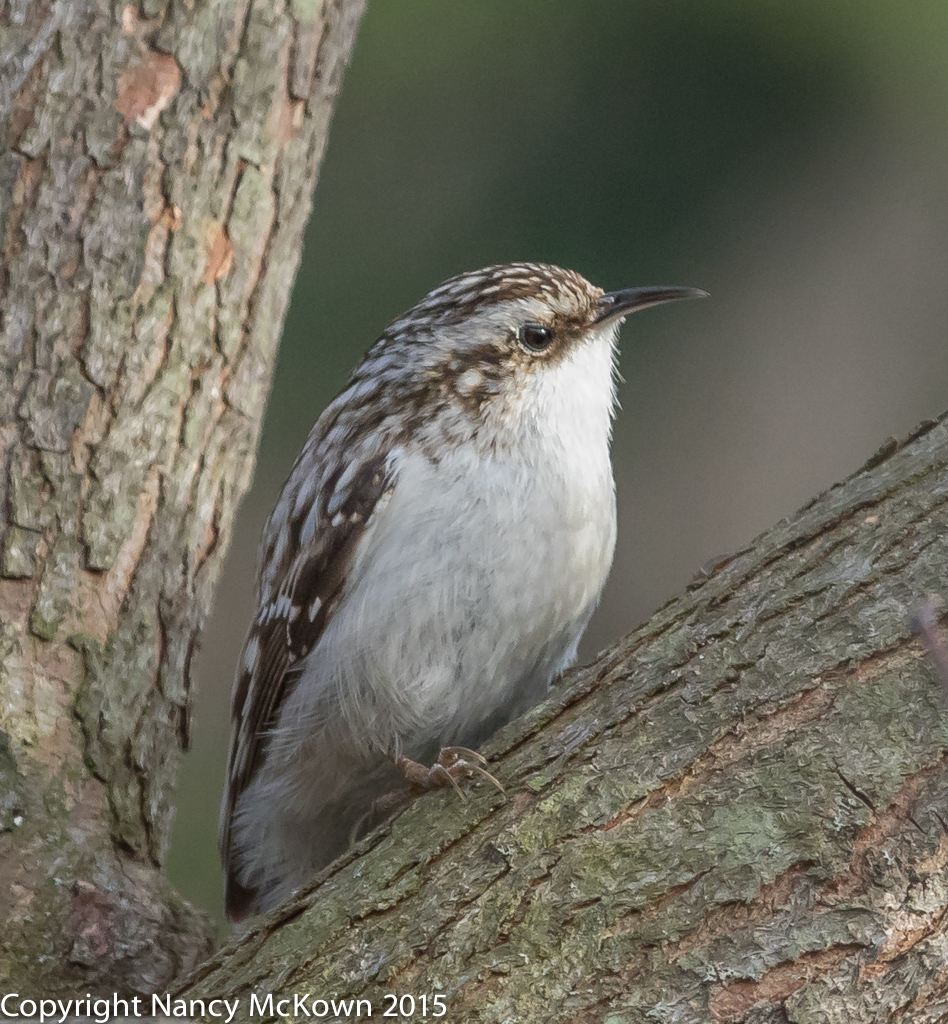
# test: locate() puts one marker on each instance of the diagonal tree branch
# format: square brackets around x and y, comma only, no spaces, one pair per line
[737,814]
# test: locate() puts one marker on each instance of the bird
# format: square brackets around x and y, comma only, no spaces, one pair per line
[429,567]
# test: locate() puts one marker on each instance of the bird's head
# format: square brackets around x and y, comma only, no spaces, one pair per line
[492,350]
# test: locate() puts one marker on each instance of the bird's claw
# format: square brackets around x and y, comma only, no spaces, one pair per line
[452,763]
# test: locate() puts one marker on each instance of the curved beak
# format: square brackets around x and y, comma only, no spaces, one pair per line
[631,300]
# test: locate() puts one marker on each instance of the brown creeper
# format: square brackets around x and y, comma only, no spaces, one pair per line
[431,564]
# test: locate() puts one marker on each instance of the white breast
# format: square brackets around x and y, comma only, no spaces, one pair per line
[479,577]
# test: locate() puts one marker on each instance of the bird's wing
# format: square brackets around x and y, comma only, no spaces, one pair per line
[308,549]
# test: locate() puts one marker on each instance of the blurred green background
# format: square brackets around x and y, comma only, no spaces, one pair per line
[790,158]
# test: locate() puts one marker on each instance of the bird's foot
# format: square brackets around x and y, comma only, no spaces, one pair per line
[453,763]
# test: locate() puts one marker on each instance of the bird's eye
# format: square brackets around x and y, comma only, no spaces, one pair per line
[535,337]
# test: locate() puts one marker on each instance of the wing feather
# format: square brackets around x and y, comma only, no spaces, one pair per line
[300,589]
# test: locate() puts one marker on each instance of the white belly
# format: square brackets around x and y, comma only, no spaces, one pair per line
[471,595]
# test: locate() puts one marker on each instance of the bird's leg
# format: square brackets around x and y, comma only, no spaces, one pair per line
[453,763]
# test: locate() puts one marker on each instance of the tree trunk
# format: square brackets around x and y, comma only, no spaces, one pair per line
[738,814]
[156,168]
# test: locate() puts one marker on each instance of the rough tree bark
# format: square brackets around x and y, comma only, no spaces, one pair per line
[738,814]
[156,167]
